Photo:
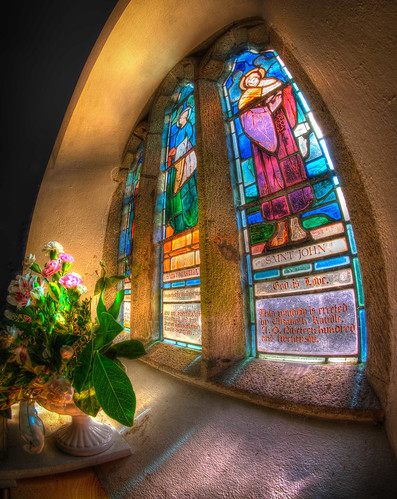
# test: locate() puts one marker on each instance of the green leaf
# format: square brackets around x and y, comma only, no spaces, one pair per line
[99,285]
[36,268]
[107,332]
[130,349]
[114,279]
[100,309]
[113,390]
[54,291]
[114,310]
[87,401]
[83,367]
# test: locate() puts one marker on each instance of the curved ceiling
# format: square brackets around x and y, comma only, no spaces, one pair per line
[139,45]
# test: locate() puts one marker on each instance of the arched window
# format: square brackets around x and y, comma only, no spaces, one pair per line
[127,232]
[300,258]
[180,256]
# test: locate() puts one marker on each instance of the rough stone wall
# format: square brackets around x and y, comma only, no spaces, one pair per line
[347,51]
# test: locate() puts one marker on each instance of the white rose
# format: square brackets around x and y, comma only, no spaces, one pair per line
[53,246]
[81,289]
[29,261]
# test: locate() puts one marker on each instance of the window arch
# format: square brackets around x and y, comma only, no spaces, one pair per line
[124,258]
[300,257]
[180,255]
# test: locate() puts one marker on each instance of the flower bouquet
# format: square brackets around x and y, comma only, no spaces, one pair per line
[51,349]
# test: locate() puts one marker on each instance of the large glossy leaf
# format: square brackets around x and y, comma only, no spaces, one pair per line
[130,349]
[108,330]
[100,309]
[113,390]
[114,310]
[87,401]
[83,367]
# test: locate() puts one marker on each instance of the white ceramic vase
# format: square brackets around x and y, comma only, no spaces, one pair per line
[83,436]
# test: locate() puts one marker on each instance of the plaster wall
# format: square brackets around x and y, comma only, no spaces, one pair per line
[347,50]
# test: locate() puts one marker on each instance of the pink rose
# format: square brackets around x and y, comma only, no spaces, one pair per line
[70,280]
[65,257]
[51,268]
[66,352]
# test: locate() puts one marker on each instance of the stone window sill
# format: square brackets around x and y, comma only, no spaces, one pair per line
[330,391]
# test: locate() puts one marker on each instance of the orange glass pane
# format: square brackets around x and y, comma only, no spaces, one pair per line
[166,265]
[196,236]
[167,247]
[169,231]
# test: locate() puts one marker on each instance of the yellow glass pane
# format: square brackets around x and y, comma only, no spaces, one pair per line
[179,242]
[197,257]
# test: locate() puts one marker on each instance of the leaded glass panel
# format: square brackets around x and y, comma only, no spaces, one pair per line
[180,256]
[304,281]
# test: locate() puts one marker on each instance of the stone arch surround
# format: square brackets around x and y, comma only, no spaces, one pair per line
[119,79]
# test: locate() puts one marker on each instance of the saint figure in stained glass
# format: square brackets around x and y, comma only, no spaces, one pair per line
[268,116]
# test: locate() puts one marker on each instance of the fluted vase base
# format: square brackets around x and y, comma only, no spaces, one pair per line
[84,436]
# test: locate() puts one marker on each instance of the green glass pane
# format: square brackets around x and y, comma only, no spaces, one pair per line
[252,305]
[310,223]
[176,205]
[260,233]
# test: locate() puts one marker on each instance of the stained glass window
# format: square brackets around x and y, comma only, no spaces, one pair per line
[127,232]
[304,283]
[180,255]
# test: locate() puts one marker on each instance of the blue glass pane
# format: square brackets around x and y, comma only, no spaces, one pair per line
[322,188]
[178,284]
[331,210]
[332,262]
[267,274]
[245,146]
[328,199]
[167,285]
[255,218]
[363,324]
[237,124]
[193,282]
[301,116]
[352,241]
[314,148]
[316,167]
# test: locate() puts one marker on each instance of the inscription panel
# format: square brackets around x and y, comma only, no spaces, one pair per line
[181,294]
[182,322]
[308,283]
[316,324]
[181,274]
[311,252]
